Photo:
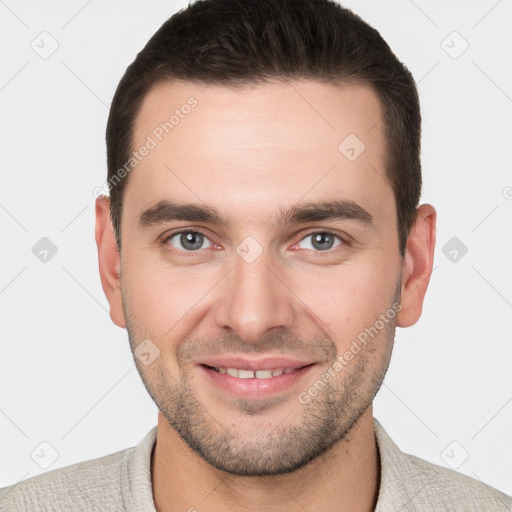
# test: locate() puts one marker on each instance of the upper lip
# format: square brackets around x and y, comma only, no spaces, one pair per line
[264,363]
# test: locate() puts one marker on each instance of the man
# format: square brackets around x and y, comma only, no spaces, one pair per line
[261,242]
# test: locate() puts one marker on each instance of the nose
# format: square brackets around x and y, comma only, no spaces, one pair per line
[254,300]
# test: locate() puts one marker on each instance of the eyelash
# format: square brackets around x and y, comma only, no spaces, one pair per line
[311,233]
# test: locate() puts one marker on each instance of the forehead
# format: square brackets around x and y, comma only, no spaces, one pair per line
[266,146]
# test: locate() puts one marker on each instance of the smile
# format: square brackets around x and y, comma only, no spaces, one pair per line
[256,380]
[253,374]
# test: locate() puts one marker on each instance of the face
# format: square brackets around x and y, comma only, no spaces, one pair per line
[256,252]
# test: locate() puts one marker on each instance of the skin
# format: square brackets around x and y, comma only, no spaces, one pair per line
[250,154]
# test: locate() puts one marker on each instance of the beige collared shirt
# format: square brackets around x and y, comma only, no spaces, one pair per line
[122,481]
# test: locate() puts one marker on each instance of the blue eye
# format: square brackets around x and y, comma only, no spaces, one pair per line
[320,241]
[189,241]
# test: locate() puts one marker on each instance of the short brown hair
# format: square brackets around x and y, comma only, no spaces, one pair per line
[234,43]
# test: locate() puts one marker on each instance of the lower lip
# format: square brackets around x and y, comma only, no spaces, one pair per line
[256,388]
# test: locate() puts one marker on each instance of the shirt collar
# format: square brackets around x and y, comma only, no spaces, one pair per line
[138,492]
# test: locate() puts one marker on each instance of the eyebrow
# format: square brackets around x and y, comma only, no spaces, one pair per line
[330,210]
[166,211]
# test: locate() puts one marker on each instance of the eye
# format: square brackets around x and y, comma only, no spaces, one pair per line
[189,241]
[320,241]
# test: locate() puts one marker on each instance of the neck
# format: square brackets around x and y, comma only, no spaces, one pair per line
[345,478]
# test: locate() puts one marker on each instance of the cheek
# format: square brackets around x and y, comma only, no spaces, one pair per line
[163,299]
[347,298]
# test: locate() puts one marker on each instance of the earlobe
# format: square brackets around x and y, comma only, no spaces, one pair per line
[109,260]
[417,265]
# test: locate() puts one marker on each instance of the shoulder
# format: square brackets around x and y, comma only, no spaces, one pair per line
[87,485]
[449,490]
[418,485]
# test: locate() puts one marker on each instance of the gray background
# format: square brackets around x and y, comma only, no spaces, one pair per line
[67,378]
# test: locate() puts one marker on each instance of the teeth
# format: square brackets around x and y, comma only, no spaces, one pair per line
[263,374]
[254,374]
[232,371]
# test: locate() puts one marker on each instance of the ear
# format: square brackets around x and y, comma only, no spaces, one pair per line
[417,265]
[109,260]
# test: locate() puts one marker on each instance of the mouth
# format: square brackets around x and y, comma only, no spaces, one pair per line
[256,379]
[253,374]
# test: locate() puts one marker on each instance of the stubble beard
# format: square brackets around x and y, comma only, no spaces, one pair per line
[324,421]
